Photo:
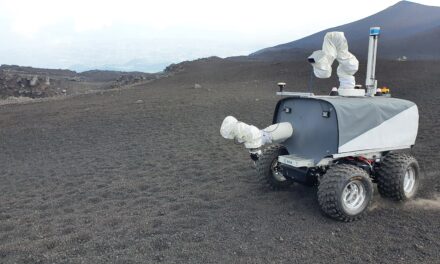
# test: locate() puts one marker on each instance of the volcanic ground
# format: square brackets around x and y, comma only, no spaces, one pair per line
[142,175]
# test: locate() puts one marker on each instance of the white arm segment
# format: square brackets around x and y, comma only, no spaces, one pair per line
[251,136]
[335,47]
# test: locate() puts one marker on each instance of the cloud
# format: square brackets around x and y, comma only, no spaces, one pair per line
[30,17]
[247,17]
[96,31]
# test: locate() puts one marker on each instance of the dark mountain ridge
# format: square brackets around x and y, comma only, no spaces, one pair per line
[408,29]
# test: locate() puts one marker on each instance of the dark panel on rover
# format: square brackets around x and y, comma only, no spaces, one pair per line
[315,126]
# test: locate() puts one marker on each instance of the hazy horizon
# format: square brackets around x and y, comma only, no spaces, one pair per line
[147,36]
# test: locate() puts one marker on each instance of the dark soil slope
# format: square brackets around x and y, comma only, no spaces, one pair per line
[143,176]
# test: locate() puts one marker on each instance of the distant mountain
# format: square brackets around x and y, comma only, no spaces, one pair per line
[18,81]
[136,65]
[408,29]
[36,71]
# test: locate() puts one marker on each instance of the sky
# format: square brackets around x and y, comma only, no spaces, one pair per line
[148,35]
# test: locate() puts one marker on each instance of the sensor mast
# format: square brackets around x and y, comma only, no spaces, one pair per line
[370,81]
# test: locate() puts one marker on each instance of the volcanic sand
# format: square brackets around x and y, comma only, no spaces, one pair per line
[143,176]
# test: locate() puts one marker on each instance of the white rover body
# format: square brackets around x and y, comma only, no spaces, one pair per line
[342,142]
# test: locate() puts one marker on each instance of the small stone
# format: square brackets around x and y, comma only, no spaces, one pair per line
[417,246]
[159,258]
[197,86]
[139,101]
[198,237]
[281,239]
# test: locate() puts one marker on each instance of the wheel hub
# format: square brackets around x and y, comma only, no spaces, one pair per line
[409,180]
[276,173]
[353,196]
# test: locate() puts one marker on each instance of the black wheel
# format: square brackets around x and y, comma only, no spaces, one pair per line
[398,176]
[268,167]
[345,192]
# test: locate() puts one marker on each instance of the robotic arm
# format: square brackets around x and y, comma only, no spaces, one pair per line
[335,47]
[253,137]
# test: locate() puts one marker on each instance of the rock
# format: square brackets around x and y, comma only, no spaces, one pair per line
[129,79]
[64,91]
[159,258]
[174,68]
[197,86]
[198,237]
[418,247]
[161,213]
[139,102]
[34,81]
[75,79]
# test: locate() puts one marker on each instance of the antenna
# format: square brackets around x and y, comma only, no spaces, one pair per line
[281,85]
[370,80]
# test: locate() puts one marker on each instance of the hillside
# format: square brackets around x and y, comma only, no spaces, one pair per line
[408,29]
[17,81]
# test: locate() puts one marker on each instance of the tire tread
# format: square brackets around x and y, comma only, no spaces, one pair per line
[263,166]
[389,175]
[328,196]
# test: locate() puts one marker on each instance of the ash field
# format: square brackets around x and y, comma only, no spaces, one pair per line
[142,175]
